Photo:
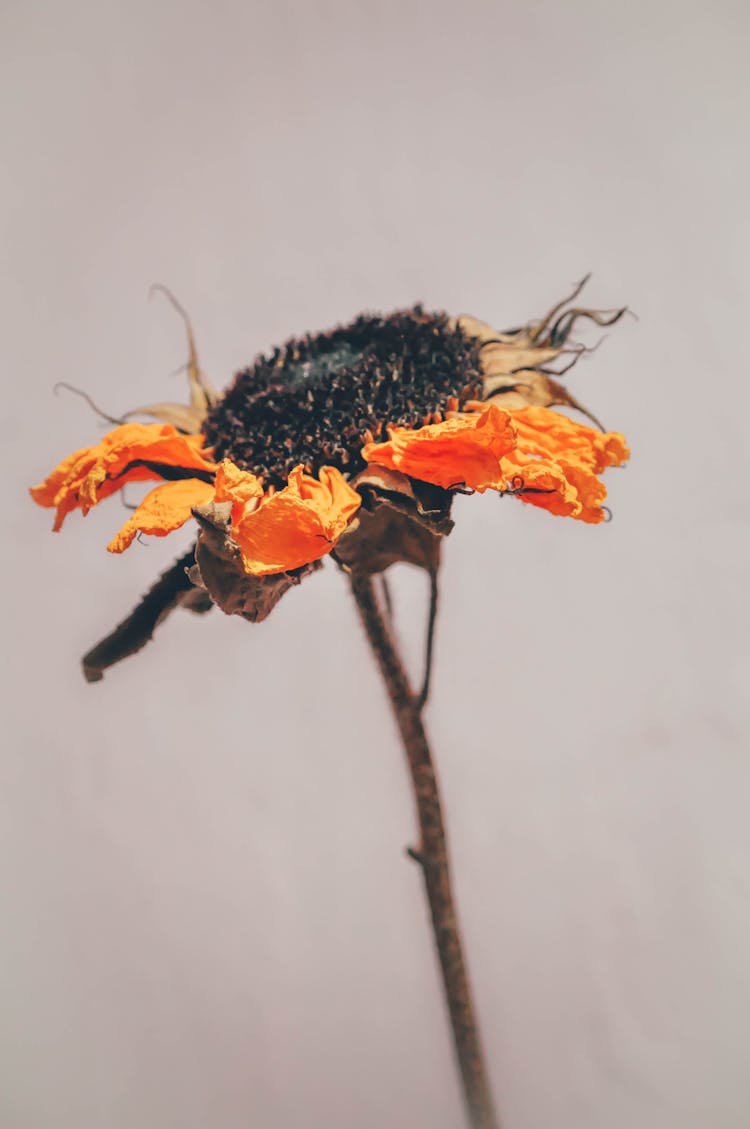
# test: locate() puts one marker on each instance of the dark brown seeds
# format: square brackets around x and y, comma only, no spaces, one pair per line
[313,401]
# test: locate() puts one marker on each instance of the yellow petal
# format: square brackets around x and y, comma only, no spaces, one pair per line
[162,511]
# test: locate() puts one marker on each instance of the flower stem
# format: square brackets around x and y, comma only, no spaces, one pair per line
[432,856]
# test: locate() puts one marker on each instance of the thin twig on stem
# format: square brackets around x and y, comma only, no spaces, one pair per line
[432,856]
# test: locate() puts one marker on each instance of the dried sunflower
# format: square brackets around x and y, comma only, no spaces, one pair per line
[351,443]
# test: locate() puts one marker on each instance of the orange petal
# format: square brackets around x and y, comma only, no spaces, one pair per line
[163,510]
[46,493]
[463,450]
[564,489]
[561,458]
[240,487]
[296,525]
[93,473]
[545,432]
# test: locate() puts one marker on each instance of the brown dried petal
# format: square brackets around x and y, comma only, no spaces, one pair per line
[398,521]
[424,503]
[383,537]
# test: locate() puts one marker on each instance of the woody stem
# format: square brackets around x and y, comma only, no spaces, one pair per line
[432,856]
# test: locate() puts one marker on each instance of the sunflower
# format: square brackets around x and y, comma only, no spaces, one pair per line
[350,443]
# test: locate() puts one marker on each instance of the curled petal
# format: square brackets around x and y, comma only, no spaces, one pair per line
[133,452]
[242,489]
[542,432]
[49,492]
[162,511]
[559,459]
[296,525]
[561,489]
[463,450]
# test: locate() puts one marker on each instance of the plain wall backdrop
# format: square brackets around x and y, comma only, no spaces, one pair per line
[207,916]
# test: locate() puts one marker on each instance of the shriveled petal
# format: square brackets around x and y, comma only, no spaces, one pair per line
[242,489]
[558,460]
[162,511]
[296,525]
[93,473]
[157,443]
[47,492]
[542,431]
[463,450]
[559,488]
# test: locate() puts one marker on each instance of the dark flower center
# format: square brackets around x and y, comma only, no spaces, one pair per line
[314,400]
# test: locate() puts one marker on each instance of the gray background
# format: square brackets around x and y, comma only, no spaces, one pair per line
[208,920]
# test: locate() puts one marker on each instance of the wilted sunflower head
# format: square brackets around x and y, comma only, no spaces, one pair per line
[351,442]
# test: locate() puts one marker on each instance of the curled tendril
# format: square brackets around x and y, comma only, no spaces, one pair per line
[546,321]
[85,396]
[517,487]
[566,368]
[125,503]
[563,327]
[160,288]
[202,393]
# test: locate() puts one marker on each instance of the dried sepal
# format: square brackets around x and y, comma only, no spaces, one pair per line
[385,536]
[400,520]
[185,418]
[505,353]
[424,503]
[513,364]
[530,388]
[203,395]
